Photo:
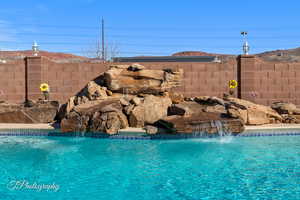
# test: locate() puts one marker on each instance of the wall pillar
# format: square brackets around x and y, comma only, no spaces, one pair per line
[248,83]
[33,76]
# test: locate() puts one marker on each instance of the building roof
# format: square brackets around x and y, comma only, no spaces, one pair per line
[166,59]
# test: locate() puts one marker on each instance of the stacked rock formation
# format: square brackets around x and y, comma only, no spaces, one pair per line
[132,96]
[125,95]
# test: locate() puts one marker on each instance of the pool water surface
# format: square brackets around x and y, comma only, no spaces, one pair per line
[193,169]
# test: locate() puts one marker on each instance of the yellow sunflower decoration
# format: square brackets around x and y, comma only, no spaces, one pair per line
[233,84]
[44,87]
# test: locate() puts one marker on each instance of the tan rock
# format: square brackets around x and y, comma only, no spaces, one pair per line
[156,107]
[109,93]
[136,67]
[70,104]
[124,102]
[256,114]
[176,98]
[103,116]
[215,109]
[257,117]
[137,117]
[186,108]
[285,108]
[136,101]
[121,79]
[17,116]
[151,110]
[95,91]
[151,130]
[208,100]
[238,113]
[128,109]
[209,123]
[40,112]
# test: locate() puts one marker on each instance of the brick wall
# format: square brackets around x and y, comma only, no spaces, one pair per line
[259,81]
[267,82]
[201,79]
[66,79]
[12,81]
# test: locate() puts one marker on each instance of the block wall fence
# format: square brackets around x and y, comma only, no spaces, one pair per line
[259,81]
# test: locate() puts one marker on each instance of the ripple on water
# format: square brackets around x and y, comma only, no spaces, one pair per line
[212,168]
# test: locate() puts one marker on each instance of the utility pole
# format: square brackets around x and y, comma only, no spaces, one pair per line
[103,48]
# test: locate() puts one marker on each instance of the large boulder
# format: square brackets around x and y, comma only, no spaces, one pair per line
[201,123]
[93,91]
[105,116]
[176,97]
[40,112]
[134,80]
[187,108]
[208,100]
[251,113]
[9,107]
[137,117]
[285,108]
[151,109]
[17,116]
[43,112]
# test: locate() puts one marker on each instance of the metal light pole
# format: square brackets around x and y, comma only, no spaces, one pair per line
[246,47]
[35,48]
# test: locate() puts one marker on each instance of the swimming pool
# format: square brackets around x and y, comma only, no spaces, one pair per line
[87,168]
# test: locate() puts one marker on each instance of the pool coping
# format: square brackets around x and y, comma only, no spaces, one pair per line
[140,134]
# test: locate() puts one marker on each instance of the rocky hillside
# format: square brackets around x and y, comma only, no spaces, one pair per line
[288,55]
[201,53]
[14,55]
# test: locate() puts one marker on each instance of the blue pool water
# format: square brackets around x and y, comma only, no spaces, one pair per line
[86,168]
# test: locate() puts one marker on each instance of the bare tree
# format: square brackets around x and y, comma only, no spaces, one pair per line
[110,50]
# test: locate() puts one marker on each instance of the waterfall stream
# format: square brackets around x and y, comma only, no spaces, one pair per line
[201,129]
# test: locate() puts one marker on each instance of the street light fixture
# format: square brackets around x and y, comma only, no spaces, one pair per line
[246,47]
[35,48]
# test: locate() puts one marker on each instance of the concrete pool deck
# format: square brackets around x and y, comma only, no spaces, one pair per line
[6,126]
[273,129]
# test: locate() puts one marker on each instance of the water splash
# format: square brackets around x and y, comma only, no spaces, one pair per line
[222,135]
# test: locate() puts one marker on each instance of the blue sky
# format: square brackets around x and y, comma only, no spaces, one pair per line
[149,27]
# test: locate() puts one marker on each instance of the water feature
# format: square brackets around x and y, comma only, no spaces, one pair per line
[202,129]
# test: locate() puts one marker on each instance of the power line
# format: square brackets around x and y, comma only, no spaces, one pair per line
[147,37]
[133,44]
[201,28]
[154,36]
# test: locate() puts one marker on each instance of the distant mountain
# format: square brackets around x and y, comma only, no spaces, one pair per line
[288,55]
[201,53]
[194,53]
[14,55]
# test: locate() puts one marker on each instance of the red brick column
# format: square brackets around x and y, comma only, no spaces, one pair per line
[33,70]
[248,82]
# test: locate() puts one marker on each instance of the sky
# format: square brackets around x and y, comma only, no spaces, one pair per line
[134,28]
